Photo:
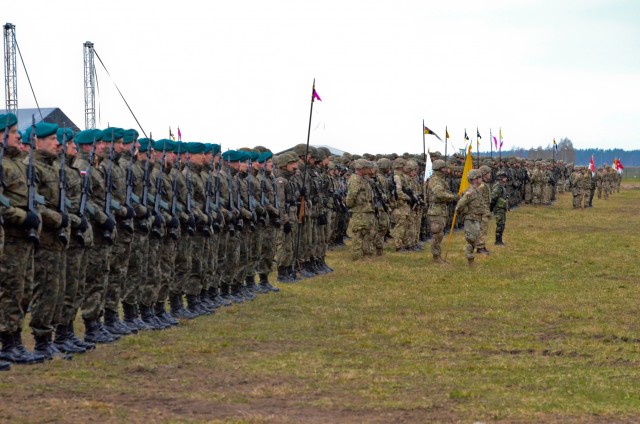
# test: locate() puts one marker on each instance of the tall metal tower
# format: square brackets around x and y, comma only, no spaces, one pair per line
[10,73]
[89,87]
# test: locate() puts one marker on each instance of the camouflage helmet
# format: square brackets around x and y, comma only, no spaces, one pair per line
[325,150]
[501,174]
[300,149]
[384,163]
[438,164]
[484,169]
[473,174]
[398,163]
[360,164]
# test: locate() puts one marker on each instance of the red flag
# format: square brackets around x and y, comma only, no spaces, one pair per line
[179,134]
[620,167]
[592,166]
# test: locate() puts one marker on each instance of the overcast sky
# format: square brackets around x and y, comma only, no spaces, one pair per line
[240,72]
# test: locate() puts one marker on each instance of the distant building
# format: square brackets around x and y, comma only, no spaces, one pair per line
[49,114]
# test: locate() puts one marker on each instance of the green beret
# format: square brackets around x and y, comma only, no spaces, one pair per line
[212,148]
[68,134]
[253,156]
[129,136]
[179,147]
[195,147]
[7,120]
[264,156]
[112,134]
[88,136]
[234,156]
[144,144]
[44,129]
[164,144]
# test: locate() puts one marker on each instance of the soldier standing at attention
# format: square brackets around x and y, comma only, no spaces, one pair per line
[439,195]
[499,205]
[19,222]
[485,190]
[470,206]
[360,201]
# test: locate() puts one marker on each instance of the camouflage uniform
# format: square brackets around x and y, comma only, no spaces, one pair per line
[360,201]
[471,206]
[439,196]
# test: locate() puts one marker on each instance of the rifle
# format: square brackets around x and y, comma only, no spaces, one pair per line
[129,195]
[276,201]
[32,208]
[108,197]
[392,186]
[159,219]
[62,235]
[86,181]
[174,196]
[237,222]
[4,201]
[144,223]
[239,203]
[207,204]
[252,225]
[218,194]
[191,223]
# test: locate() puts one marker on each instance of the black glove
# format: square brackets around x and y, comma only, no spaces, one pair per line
[191,223]
[147,214]
[322,219]
[65,220]
[31,221]
[84,224]
[303,191]
[287,228]
[158,220]
[276,223]
[130,212]
[109,224]
[409,191]
[174,223]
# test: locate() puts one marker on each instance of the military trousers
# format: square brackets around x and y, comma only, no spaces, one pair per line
[48,284]
[471,235]
[14,265]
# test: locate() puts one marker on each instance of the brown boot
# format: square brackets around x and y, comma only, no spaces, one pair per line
[483,250]
[470,262]
[437,259]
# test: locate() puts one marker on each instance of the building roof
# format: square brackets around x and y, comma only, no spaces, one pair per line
[47,114]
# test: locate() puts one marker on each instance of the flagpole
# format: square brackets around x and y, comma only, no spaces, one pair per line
[500,147]
[491,142]
[446,142]
[424,151]
[478,146]
[304,177]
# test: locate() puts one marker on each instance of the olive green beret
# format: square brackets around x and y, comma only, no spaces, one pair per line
[7,120]
[129,136]
[88,136]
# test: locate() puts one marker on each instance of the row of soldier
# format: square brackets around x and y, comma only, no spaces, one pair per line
[100,221]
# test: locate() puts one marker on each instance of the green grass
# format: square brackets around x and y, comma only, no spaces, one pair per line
[544,330]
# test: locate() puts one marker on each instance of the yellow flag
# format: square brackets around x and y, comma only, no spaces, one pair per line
[446,134]
[468,165]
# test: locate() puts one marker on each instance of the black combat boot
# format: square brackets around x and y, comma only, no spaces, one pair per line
[149,318]
[17,340]
[251,285]
[132,319]
[11,354]
[326,267]
[217,297]
[164,316]
[283,275]
[193,305]
[92,333]
[63,343]
[316,267]
[76,341]
[483,250]
[177,308]
[206,302]
[5,366]
[293,275]
[266,285]
[246,293]
[304,272]
[113,324]
[225,293]
[42,347]
[235,294]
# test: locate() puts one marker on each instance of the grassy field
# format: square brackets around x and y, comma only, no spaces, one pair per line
[544,330]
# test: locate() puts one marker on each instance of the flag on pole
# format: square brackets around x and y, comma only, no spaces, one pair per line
[592,166]
[555,145]
[179,134]
[315,96]
[428,168]
[501,140]
[478,134]
[468,165]
[446,134]
[466,137]
[171,136]
[495,142]
[428,131]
